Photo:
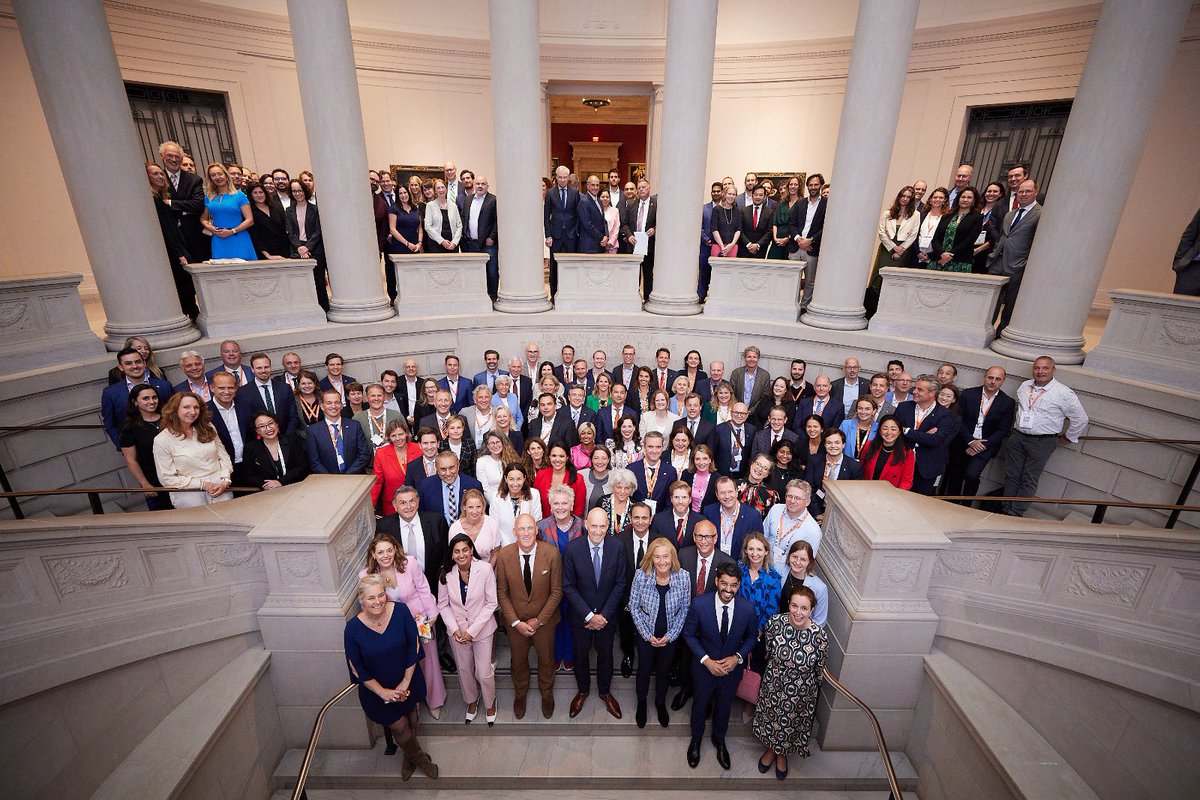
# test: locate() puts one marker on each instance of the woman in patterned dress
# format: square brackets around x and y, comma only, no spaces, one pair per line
[797,651]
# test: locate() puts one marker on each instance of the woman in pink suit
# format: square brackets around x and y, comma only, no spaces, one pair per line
[467,601]
[406,584]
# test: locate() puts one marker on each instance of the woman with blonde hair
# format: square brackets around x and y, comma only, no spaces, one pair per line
[443,225]
[227,216]
[189,455]
[659,599]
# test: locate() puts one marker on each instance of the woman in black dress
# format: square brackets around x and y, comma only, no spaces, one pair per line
[304,234]
[177,253]
[269,233]
[726,224]
[382,651]
[274,459]
[137,443]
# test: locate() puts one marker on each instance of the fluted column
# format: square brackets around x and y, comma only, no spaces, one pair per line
[547,156]
[1133,46]
[70,52]
[687,103]
[338,150]
[654,151]
[516,116]
[874,87]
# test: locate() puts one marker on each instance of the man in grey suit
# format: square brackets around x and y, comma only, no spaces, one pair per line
[1187,260]
[1012,251]
[750,382]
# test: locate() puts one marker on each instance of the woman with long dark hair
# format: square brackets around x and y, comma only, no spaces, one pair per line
[888,457]
[142,419]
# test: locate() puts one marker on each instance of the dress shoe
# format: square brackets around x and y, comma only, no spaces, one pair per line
[548,706]
[680,700]
[490,716]
[664,718]
[436,713]
[781,774]
[577,704]
[471,714]
[640,715]
[448,666]
[722,754]
[519,708]
[693,754]
[612,705]
[626,666]
[764,768]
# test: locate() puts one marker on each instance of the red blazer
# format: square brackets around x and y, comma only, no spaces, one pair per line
[541,482]
[899,476]
[389,474]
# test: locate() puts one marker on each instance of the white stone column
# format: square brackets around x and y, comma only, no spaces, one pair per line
[338,149]
[70,52]
[687,103]
[547,156]
[1134,43]
[654,134]
[517,108]
[874,87]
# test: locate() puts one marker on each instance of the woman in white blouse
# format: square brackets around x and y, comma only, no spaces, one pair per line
[189,455]
[497,452]
[443,225]
[515,496]
[929,223]
[659,418]
[898,229]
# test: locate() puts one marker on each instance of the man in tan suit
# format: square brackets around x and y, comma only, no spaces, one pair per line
[529,589]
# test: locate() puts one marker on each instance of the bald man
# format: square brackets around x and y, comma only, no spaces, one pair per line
[851,386]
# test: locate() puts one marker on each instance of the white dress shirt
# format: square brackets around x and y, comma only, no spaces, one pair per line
[412,539]
[1043,410]
[473,217]
[229,415]
[720,607]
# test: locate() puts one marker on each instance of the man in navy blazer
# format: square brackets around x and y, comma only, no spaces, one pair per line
[575,409]
[731,442]
[654,475]
[443,492]
[335,378]
[987,417]
[745,518]
[594,579]
[282,402]
[840,467]
[231,362]
[593,228]
[480,232]
[668,519]
[931,437]
[561,218]
[700,428]
[721,630]
[233,417]
[322,445]
[115,399]
[605,424]
[459,387]
[552,424]
[491,360]
[823,404]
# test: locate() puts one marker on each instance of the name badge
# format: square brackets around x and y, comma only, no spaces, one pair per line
[1026,420]
[821,494]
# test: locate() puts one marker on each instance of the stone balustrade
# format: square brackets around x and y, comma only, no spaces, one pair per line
[598,282]
[950,307]
[1151,336]
[754,288]
[451,283]
[256,296]
[42,322]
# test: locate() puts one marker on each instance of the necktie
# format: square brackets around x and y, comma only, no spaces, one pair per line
[641,553]
[516,509]
[737,441]
[596,563]
[701,575]
[337,442]
[818,406]
[641,226]
[408,537]
[692,428]
[679,530]
[1016,220]
[662,379]
[390,201]
[266,393]
[452,508]
[724,622]
[756,216]
[1014,202]
[774,439]
[575,416]
[528,574]
[562,196]
[175,181]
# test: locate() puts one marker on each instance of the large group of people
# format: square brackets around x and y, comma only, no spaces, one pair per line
[575,508]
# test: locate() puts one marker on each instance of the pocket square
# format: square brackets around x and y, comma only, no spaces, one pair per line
[545,572]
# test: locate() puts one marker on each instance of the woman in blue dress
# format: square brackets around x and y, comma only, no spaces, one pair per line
[560,527]
[227,215]
[383,650]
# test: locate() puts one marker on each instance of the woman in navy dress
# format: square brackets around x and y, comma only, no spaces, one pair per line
[227,216]
[404,223]
[383,650]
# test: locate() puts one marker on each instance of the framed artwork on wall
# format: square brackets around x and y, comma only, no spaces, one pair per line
[637,170]
[401,172]
[779,180]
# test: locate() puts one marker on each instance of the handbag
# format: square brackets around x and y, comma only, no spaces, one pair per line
[749,685]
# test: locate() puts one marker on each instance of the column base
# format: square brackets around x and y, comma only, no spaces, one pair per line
[522,303]
[1029,346]
[835,319]
[673,305]
[374,310]
[172,332]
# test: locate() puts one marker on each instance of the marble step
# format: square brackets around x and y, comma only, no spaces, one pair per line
[616,794]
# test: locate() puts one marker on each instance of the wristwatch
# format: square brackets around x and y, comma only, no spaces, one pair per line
[739,658]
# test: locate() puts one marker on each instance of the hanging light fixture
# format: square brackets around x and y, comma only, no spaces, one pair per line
[596,103]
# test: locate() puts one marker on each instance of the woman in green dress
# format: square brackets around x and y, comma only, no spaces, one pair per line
[781,224]
[954,240]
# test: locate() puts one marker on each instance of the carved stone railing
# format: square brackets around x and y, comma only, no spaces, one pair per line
[42,323]
[951,307]
[754,288]
[451,283]
[598,282]
[256,296]
[1151,336]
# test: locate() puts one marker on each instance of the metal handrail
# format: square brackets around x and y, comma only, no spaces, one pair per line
[306,763]
[880,742]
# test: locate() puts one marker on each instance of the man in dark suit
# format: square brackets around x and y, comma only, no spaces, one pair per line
[756,227]
[640,217]
[607,418]
[616,197]
[233,417]
[1011,253]
[442,493]
[661,375]
[187,204]
[192,364]
[823,404]
[732,441]
[465,191]
[830,464]
[776,431]
[677,521]
[721,630]
[593,230]
[115,399]
[491,359]
[594,579]
[987,417]
[553,425]
[231,362]
[408,392]
[480,231]
[335,375]
[731,518]
[635,538]
[265,393]
[625,372]
[852,380]
[458,386]
[654,475]
[928,429]
[561,221]
[700,428]
[581,376]
[424,465]
[522,386]
[1187,259]
[335,445]
[575,410]
[808,225]
[440,418]
[705,386]
[700,560]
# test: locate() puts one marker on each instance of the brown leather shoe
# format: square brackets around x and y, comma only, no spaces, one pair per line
[577,704]
[548,706]
[519,708]
[612,705]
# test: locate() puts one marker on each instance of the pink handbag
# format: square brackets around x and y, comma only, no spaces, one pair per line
[749,685]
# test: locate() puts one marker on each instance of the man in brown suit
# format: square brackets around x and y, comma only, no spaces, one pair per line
[529,589]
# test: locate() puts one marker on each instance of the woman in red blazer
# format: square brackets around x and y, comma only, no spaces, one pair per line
[391,465]
[887,457]
[561,470]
